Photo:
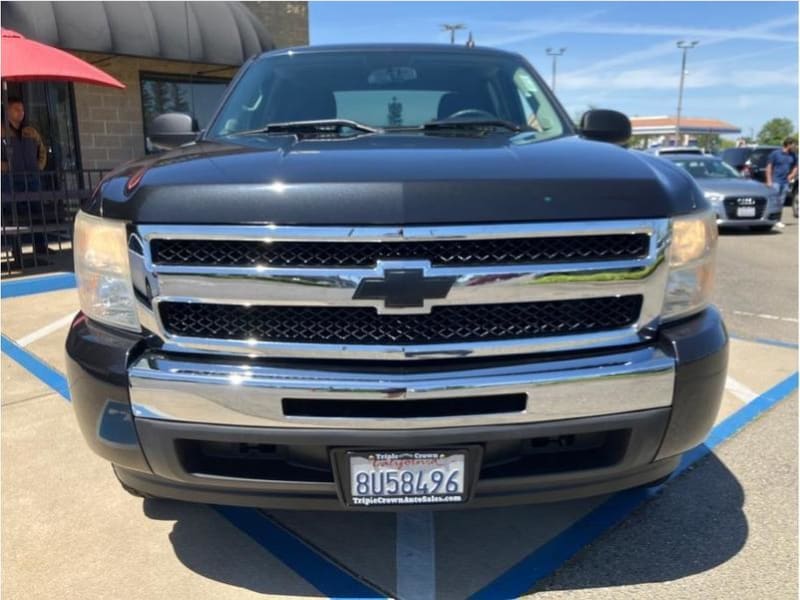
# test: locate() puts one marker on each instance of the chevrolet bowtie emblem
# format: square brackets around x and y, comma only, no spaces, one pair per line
[403,288]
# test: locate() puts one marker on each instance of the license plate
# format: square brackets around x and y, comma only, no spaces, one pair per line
[401,478]
[746,211]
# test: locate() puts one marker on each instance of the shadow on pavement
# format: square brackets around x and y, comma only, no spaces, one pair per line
[213,548]
[694,525]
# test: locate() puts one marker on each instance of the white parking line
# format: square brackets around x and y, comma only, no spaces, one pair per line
[763,316]
[46,330]
[415,556]
[740,390]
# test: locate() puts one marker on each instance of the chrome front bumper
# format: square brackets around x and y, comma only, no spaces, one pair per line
[225,393]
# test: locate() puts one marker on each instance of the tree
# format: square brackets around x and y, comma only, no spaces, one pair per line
[775,131]
[709,141]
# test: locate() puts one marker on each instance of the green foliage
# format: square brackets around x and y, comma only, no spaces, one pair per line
[775,131]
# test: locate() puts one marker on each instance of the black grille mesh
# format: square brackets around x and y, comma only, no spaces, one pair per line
[363,325]
[731,204]
[364,254]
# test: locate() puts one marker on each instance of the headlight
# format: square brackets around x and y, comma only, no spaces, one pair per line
[691,265]
[714,196]
[101,268]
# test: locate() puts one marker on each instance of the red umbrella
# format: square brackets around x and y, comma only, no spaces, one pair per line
[26,60]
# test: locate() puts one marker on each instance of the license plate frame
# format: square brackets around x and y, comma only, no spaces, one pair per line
[340,459]
[746,212]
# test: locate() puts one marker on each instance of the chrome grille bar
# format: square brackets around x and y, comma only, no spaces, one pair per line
[334,287]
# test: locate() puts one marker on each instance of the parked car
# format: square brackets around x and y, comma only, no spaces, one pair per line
[394,275]
[676,150]
[749,161]
[738,201]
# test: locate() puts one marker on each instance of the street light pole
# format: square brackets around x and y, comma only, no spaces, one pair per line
[555,54]
[685,47]
[452,28]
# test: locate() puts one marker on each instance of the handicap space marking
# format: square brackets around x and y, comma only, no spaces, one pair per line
[35,366]
[415,555]
[543,561]
[327,577]
[37,285]
[318,570]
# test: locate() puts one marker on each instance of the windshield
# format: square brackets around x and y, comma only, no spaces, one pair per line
[707,168]
[392,91]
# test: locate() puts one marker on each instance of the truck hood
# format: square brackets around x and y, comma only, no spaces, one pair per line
[395,179]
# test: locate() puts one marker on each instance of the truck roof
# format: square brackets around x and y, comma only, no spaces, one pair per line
[389,47]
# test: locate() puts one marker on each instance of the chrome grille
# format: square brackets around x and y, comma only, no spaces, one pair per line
[445,324]
[287,291]
[438,252]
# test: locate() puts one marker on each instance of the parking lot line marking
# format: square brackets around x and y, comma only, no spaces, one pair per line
[740,390]
[37,285]
[46,330]
[766,341]
[543,561]
[35,366]
[312,566]
[764,316]
[415,556]
[324,575]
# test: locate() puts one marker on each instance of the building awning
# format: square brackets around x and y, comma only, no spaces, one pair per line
[689,125]
[217,33]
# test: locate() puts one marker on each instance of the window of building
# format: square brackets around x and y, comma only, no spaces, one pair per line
[195,96]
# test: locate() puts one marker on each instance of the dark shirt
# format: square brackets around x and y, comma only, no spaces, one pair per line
[28,153]
[782,164]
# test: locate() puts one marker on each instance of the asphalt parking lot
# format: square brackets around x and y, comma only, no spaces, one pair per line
[725,527]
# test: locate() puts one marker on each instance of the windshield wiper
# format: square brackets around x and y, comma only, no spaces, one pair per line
[319,127]
[470,124]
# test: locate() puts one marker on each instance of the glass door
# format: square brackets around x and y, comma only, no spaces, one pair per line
[49,108]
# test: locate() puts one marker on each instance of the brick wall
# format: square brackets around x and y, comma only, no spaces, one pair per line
[110,127]
[286,22]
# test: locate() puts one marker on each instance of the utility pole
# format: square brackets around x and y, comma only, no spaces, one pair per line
[452,28]
[555,54]
[685,47]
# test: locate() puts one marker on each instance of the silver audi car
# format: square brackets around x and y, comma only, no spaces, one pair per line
[739,201]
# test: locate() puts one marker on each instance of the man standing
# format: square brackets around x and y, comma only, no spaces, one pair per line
[782,169]
[24,156]
[28,152]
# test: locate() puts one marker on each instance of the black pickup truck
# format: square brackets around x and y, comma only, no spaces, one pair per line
[388,276]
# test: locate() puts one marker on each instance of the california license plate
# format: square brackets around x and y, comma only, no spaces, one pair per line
[401,478]
[746,211]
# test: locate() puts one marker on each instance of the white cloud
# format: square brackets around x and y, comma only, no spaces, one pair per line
[666,78]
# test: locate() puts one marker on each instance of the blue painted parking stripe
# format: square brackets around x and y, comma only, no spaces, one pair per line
[320,572]
[311,566]
[542,562]
[37,285]
[35,365]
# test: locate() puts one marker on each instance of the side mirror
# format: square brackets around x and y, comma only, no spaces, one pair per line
[605,126]
[171,130]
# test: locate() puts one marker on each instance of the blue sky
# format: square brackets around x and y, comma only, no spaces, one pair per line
[619,55]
